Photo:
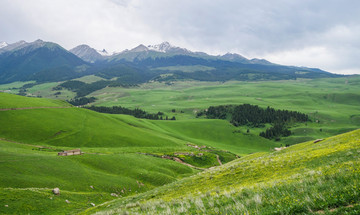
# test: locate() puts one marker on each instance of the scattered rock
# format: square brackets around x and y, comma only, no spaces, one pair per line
[92,204]
[92,187]
[318,140]
[56,191]
[279,149]
[67,201]
[6,206]
[114,194]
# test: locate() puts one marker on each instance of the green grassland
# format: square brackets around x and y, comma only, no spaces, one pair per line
[29,174]
[305,178]
[89,79]
[11,101]
[77,127]
[120,152]
[45,90]
[13,87]
[335,103]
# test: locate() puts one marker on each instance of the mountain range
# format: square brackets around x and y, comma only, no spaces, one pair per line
[47,61]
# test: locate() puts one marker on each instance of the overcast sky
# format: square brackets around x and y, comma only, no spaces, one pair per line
[312,33]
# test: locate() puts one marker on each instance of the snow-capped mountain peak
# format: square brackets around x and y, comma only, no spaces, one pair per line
[162,47]
[3,44]
[13,46]
[166,47]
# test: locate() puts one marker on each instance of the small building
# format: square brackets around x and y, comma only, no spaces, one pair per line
[70,152]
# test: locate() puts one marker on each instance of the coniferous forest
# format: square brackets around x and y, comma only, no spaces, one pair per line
[255,116]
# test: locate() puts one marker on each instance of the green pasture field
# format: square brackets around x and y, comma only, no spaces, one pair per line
[308,178]
[319,98]
[12,101]
[89,79]
[29,174]
[77,127]
[46,90]
[120,151]
[334,103]
[17,84]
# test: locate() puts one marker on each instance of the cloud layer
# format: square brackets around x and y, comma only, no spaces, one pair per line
[322,33]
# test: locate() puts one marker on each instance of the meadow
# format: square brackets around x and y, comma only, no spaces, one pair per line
[333,105]
[307,178]
[123,153]
[29,173]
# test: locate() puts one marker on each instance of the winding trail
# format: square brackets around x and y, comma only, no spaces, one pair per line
[218,159]
[189,165]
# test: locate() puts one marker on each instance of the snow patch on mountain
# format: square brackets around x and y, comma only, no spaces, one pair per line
[13,46]
[3,44]
[162,47]
[166,47]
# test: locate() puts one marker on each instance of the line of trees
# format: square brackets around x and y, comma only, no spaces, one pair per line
[138,113]
[81,101]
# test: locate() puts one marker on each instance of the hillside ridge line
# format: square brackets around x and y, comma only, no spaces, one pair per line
[28,108]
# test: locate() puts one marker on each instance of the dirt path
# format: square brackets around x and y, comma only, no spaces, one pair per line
[182,162]
[218,159]
[11,141]
[189,165]
[29,108]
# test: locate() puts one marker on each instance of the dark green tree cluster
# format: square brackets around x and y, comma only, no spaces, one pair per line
[81,101]
[277,131]
[70,85]
[253,115]
[138,113]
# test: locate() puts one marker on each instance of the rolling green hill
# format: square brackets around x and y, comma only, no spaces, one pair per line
[308,178]
[122,154]
[29,173]
[332,104]
[76,127]
[11,101]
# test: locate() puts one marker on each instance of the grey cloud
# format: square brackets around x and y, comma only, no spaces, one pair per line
[280,30]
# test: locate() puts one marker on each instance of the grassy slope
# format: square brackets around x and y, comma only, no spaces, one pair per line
[216,133]
[31,138]
[11,101]
[335,102]
[28,176]
[305,178]
[75,127]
